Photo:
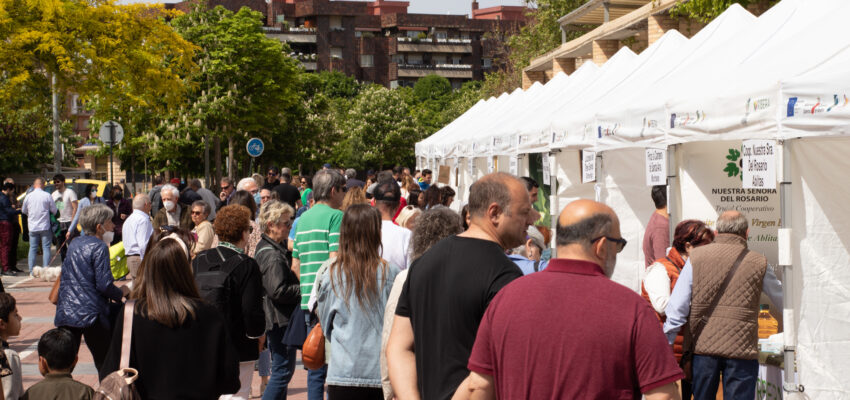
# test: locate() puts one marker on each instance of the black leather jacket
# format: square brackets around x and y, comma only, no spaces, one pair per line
[281,286]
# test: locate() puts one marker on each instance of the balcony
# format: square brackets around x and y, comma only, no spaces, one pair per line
[308,61]
[292,35]
[431,45]
[463,71]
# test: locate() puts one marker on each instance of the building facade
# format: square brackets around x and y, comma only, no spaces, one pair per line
[381,42]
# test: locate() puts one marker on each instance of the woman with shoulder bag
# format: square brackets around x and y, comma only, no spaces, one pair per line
[86,285]
[282,293]
[351,298]
[661,277]
[180,345]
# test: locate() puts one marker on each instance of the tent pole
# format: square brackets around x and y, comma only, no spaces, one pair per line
[672,189]
[785,262]
[554,207]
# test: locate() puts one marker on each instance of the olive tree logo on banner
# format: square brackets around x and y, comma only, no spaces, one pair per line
[733,167]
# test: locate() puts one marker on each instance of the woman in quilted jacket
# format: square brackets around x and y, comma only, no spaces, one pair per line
[87,287]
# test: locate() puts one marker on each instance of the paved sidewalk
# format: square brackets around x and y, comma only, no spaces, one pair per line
[37,312]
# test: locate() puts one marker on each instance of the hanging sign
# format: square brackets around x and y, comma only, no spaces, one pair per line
[471,165]
[444,174]
[545,161]
[588,166]
[759,164]
[490,164]
[656,167]
[514,165]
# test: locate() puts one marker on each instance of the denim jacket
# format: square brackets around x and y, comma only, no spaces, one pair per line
[353,332]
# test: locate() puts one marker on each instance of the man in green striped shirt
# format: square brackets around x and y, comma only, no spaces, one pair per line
[317,240]
[317,234]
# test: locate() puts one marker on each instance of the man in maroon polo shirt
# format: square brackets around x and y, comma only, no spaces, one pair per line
[570,332]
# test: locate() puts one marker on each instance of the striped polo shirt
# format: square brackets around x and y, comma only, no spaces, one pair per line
[316,236]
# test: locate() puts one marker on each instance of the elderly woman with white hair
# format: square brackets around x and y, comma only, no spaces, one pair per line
[87,286]
[282,292]
[173,213]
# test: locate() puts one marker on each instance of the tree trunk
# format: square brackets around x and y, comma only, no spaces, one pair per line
[217,145]
[231,155]
[133,170]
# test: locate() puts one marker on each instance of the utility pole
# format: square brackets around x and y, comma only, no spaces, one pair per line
[57,147]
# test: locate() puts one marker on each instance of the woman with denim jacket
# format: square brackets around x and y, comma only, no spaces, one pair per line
[351,296]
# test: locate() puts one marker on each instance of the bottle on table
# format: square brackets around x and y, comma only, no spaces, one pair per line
[767,324]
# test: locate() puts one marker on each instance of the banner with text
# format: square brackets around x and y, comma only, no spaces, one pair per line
[656,167]
[758,164]
[588,166]
[711,182]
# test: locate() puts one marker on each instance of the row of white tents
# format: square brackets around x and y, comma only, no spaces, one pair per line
[782,77]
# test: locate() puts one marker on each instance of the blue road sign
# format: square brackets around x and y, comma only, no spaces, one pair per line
[255,147]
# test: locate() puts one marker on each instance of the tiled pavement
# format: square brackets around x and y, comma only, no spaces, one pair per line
[37,312]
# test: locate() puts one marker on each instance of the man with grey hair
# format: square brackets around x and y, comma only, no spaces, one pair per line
[514,357]
[207,195]
[137,230]
[38,206]
[717,294]
[286,192]
[351,179]
[449,287]
[527,256]
[317,240]
[173,213]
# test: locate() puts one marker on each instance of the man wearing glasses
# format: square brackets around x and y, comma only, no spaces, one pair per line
[594,319]
[272,178]
[227,190]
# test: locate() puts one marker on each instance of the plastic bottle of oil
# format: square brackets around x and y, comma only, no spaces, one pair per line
[767,324]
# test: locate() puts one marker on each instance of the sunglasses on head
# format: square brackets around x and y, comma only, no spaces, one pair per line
[167,228]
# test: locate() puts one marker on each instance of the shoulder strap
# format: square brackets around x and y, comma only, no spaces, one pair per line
[716,298]
[673,264]
[260,250]
[129,309]
[537,266]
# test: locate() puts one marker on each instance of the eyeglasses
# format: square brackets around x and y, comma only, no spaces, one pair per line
[250,229]
[265,197]
[226,187]
[271,173]
[621,243]
[197,213]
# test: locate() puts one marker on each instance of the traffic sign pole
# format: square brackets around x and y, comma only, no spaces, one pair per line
[111,142]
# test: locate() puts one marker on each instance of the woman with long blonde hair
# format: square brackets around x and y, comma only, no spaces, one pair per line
[351,296]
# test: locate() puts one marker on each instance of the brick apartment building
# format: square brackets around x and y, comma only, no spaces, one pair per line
[381,42]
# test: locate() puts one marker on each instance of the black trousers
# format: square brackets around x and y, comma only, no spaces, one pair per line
[98,338]
[64,227]
[354,393]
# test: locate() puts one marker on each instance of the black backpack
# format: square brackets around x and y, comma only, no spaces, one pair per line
[213,283]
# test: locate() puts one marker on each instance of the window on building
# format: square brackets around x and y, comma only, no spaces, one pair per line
[412,34]
[438,58]
[398,58]
[441,34]
[414,58]
[367,60]
[394,84]
[336,52]
[487,62]
[455,60]
[336,22]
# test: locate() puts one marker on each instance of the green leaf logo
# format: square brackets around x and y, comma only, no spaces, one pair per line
[731,169]
[733,156]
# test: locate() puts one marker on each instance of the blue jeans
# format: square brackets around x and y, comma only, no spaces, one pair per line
[739,377]
[37,238]
[283,365]
[315,378]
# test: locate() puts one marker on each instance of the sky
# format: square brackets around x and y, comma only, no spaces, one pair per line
[416,6]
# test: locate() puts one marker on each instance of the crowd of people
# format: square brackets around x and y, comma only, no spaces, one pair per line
[414,299]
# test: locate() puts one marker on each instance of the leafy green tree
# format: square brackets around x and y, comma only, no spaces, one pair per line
[245,86]
[379,129]
[706,10]
[432,87]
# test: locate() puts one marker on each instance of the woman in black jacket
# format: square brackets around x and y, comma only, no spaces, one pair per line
[239,296]
[180,345]
[282,290]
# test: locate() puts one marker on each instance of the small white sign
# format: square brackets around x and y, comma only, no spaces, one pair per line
[545,161]
[656,167]
[588,166]
[471,165]
[759,164]
[490,164]
[514,165]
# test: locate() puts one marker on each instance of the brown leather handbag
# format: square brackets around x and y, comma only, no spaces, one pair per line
[313,351]
[54,292]
[120,385]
